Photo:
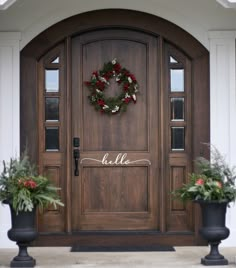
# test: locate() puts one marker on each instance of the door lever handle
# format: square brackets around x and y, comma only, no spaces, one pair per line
[76,153]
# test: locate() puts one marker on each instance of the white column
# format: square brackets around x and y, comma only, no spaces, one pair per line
[9,114]
[223,106]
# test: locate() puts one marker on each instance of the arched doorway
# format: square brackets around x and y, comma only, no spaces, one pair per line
[112,202]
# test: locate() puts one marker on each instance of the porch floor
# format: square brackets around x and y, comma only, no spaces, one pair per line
[62,257]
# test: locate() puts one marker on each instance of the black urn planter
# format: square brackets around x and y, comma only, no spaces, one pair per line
[214,230]
[23,232]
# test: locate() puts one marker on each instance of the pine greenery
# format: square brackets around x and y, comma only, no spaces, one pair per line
[23,188]
[214,180]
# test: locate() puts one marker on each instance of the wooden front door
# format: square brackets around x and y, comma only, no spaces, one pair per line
[113,195]
[128,163]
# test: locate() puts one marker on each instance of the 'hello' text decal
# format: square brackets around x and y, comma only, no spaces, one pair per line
[121,159]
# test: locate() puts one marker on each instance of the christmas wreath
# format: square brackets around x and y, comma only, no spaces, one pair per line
[100,81]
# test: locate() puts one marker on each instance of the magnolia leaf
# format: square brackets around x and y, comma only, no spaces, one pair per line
[193,189]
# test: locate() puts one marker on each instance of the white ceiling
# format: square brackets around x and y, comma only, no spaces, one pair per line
[30,17]
[22,13]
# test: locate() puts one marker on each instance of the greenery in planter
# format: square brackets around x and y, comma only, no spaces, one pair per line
[214,180]
[23,188]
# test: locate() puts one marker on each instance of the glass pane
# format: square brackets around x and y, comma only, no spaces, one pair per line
[177,109]
[52,109]
[52,80]
[56,60]
[173,60]
[177,138]
[52,138]
[177,80]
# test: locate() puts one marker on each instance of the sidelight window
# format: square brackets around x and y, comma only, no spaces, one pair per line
[178,138]
[177,103]
[52,138]
[52,80]
[51,109]
[56,60]
[177,109]
[177,80]
[52,103]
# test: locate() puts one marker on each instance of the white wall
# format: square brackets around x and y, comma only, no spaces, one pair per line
[9,114]
[223,106]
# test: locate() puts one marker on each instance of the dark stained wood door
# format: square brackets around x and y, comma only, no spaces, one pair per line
[112,195]
[166,128]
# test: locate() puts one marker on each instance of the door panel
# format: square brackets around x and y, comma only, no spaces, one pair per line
[178,139]
[133,56]
[116,196]
[51,127]
[115,189]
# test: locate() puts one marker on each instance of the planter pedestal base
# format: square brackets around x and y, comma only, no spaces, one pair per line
[208,262]
[23,259]
[214,257]
[25,263]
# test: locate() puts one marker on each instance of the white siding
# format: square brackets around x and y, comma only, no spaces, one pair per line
[9,113]
[223,105]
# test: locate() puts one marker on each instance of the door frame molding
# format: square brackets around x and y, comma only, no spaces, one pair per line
[103,19]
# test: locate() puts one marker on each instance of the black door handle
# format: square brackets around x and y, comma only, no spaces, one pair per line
[76,153]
